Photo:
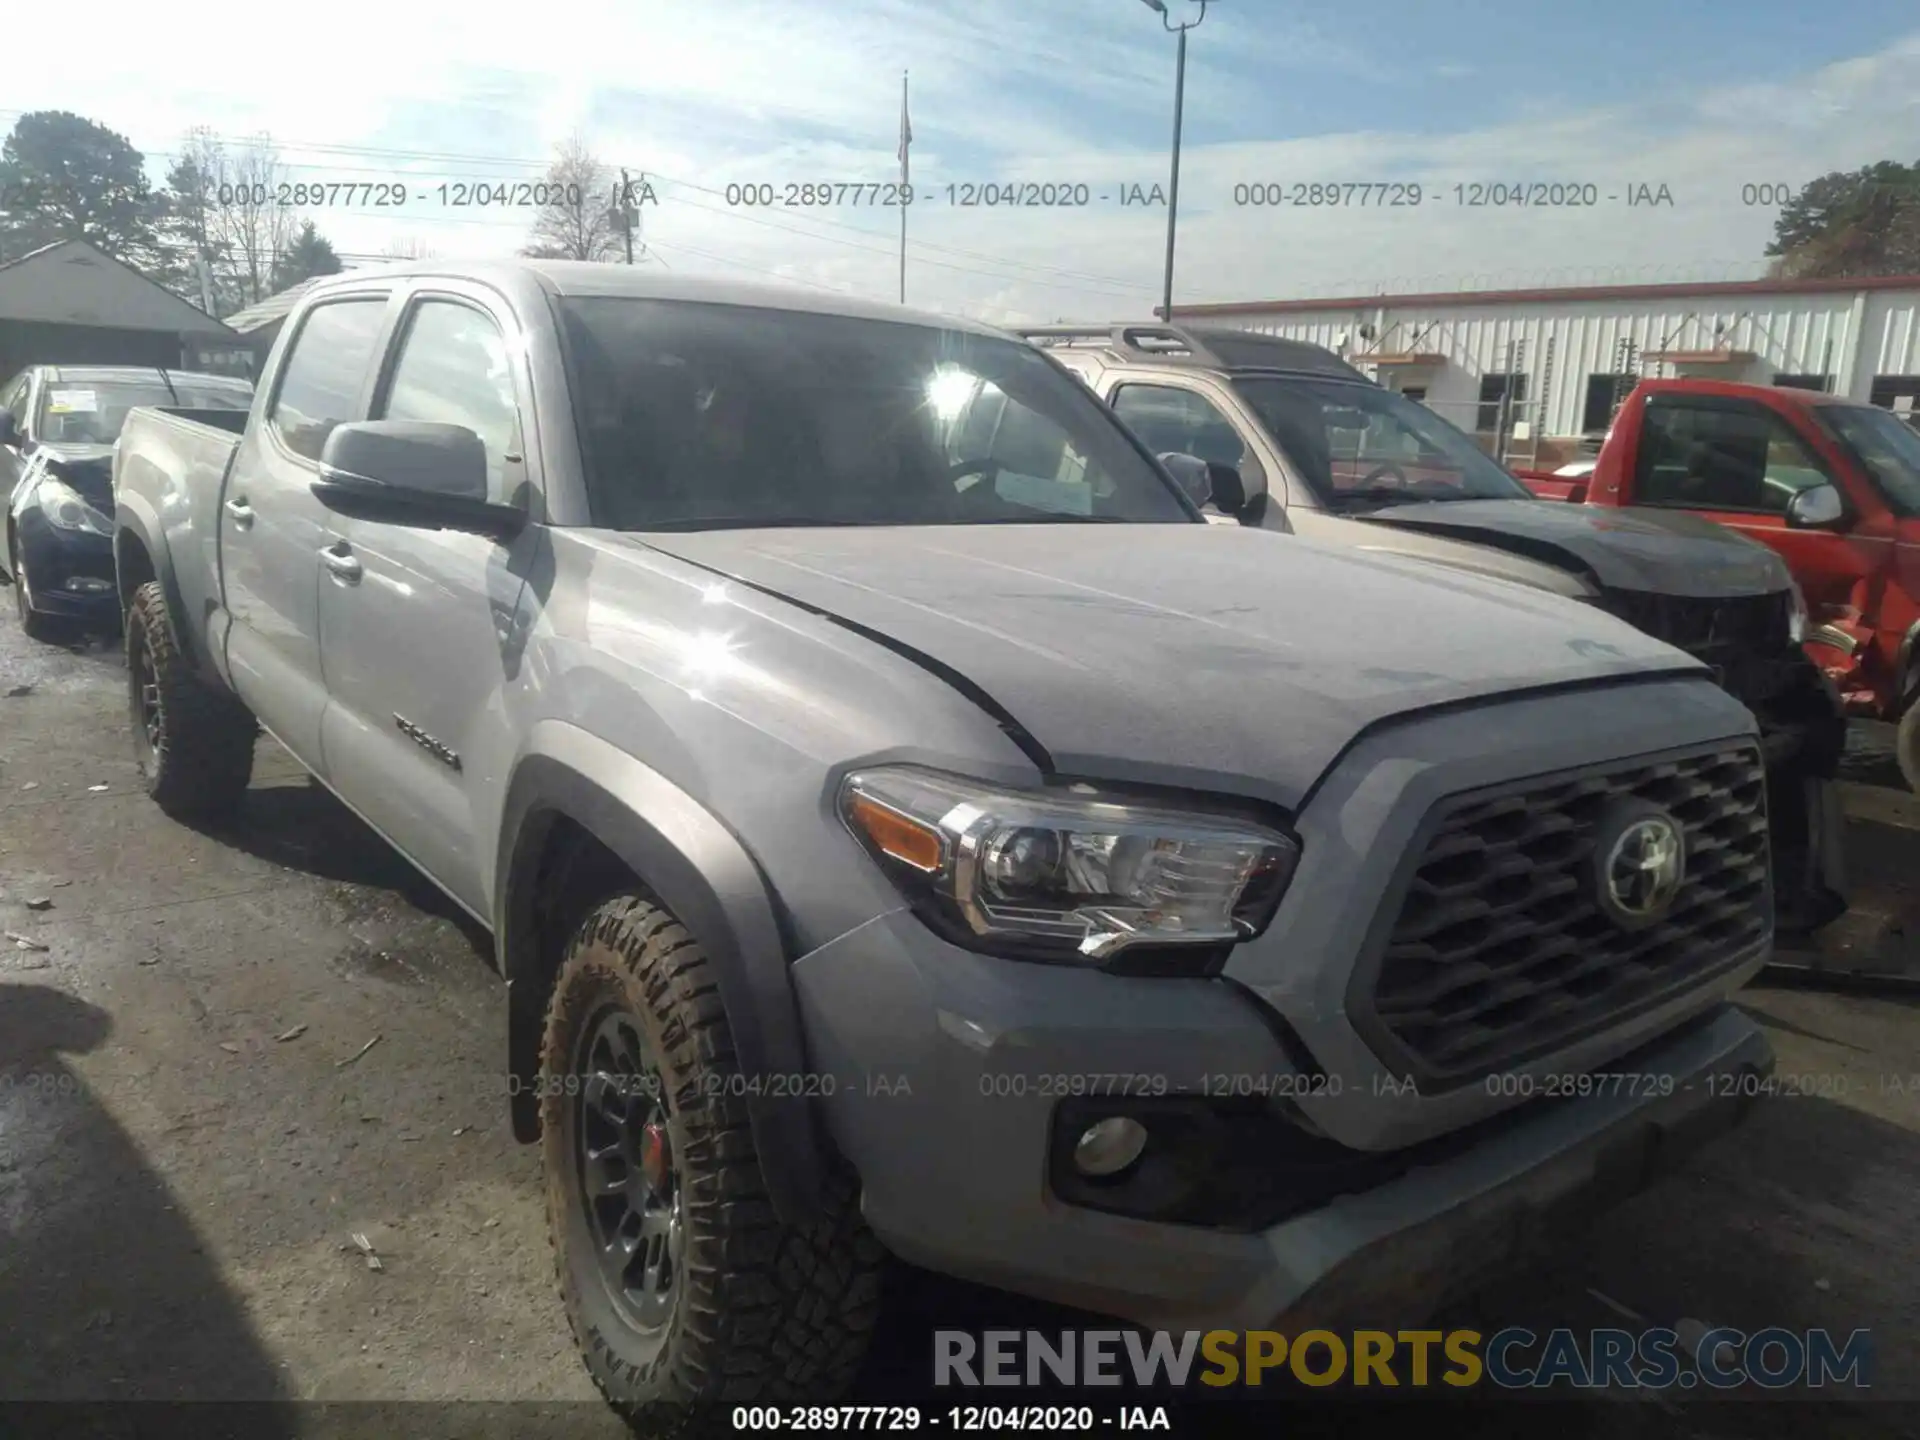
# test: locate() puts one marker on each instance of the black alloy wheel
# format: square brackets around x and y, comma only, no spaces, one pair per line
[625,1156]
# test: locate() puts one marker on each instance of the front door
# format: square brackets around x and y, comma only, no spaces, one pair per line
[1737,462]
[272,529]
[417,625]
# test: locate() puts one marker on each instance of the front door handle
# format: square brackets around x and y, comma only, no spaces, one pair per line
[241,512]
[340,561]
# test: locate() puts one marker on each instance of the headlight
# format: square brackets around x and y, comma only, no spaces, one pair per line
[1797,617]
[1068,875]
[66,508]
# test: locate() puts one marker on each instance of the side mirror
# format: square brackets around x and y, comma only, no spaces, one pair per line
[1208,482]
[412,472]
[1191,472]
[9,428]
[1815,507]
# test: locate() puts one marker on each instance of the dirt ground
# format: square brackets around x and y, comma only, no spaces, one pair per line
[192,1125]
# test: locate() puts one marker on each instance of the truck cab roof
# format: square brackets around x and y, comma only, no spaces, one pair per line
[592,279]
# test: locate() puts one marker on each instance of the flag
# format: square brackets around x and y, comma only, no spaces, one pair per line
[906,132]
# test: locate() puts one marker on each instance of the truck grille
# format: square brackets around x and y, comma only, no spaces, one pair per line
[1700,626]
[1501,951]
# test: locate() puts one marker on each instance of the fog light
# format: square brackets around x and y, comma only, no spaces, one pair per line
[88,585]
[1110,1146]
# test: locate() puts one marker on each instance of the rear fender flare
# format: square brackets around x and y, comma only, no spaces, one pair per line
[705,877]
[135,523]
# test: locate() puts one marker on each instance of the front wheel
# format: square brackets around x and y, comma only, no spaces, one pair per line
[681,1285]
[194,745]
[1906,745]
[51,629]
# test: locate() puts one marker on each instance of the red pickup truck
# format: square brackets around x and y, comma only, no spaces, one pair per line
[1832,485]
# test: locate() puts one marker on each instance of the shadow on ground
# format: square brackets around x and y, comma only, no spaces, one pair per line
[297,823]
[114,1285]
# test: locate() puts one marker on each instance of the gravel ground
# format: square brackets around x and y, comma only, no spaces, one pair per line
[192,1127]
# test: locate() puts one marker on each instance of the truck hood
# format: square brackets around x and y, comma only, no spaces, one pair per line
[1666,552]
[1183,655]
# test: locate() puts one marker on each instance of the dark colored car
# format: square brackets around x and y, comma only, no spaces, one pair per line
[58,427]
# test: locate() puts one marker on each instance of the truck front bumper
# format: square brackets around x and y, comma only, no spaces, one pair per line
[952,1119]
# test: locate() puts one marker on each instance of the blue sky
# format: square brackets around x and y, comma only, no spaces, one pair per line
[1700,97]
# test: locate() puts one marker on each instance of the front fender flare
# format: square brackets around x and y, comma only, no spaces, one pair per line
[704,875]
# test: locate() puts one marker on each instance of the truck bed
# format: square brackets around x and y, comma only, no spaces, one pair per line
[172,463]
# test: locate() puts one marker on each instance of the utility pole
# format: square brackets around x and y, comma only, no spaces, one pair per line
[1179,103]
[906,182]
[627,216]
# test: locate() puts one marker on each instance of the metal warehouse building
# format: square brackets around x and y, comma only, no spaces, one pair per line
[1537,374]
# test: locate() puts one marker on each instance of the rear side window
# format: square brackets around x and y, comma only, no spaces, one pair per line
[1714,457]
[321,381]
[453,369]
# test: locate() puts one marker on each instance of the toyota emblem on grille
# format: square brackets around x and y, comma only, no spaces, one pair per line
[1642,856]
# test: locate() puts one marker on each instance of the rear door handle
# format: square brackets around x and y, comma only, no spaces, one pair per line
[340,561]
[241,512]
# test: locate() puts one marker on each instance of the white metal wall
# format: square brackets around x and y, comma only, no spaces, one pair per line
[1850,336]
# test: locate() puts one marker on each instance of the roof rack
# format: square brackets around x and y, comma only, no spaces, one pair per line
[1227,349]
[1160,341]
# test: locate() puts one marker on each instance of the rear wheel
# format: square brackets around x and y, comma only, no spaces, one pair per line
[53,629]
[682,1287]
[193,744]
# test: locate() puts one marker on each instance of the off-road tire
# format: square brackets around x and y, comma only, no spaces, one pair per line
[767,1313]
[200,766]
[1906,745]
[47,629]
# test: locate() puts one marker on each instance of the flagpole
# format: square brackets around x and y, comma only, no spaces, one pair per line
[906,139]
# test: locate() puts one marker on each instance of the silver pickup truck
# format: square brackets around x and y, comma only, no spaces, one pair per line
[907,828]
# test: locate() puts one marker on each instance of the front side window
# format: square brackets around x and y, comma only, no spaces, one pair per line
[1721,457]
[1174,421]
[705,416]
[1358,445]
[79,411]
[453,369]
[321,380]
[1886,446]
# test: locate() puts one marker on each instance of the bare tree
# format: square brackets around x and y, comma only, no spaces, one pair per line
[249,224]
[410,247]
[224,210]
[577,221]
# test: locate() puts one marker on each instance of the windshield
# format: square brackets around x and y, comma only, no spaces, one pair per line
[1360,445]
[694,416]
[91,412]
[1887,446]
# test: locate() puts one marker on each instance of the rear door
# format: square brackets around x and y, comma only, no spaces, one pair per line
[273,530]
[1738,462]
[417,626]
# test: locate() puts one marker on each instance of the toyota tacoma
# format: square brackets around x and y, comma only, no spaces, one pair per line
[908,829]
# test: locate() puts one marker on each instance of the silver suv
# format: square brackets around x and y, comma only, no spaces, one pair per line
[906,827]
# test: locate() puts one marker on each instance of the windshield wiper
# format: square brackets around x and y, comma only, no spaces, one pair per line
[757,522]
[1056,517]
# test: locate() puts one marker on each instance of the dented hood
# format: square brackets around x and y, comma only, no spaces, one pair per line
[1665,552]
[1184,654]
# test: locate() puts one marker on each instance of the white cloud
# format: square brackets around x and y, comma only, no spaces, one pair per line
[734,90]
